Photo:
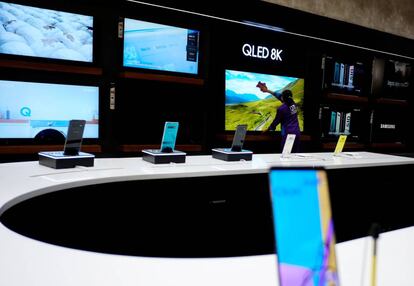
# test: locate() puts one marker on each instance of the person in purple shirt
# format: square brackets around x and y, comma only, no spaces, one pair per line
[286,115]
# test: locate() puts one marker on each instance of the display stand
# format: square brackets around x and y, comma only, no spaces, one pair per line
[226,154]
[58,160]
[158,157]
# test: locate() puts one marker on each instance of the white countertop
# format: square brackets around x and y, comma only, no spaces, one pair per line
[24,261]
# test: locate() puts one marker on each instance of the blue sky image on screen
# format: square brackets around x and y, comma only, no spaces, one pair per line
[160,47]
[246,104]
[37,32]
[26,108]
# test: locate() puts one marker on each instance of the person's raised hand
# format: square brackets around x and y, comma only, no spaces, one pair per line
[262,86]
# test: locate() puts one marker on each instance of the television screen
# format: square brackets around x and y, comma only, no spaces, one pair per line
[27,108]
[37,32]
[397,79]
[246,104]
[343,76]
[160,47]
[388,125]
[337,121]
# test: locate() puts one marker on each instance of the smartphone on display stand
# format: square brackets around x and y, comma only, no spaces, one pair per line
[303,227]
[169,137]
[74,137]
[238,138]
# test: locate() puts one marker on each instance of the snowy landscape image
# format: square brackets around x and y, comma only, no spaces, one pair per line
[37,32]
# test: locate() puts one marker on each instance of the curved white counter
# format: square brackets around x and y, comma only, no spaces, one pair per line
[24,261]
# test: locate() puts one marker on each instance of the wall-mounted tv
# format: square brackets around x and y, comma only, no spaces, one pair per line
[28,108]
[343,76]
[388,125]
[391,79]
[246,104]
[159,47]
[38,32]
[336,120]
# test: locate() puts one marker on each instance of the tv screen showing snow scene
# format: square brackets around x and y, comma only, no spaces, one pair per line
[247,104]
[37,32]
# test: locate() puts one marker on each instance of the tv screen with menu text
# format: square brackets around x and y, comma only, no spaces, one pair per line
[160,47]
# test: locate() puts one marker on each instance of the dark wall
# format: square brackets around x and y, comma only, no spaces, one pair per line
[143,105]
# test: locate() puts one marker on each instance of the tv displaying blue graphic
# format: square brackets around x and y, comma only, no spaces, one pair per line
[37,32]
[160,47]
[246,104]
[27,108]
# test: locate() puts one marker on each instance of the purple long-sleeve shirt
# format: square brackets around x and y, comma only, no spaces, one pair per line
[288,118]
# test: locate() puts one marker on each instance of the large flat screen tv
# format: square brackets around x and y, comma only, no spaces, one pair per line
[38,32]
[27,108]
[160,47]
[343,76]
[246,104]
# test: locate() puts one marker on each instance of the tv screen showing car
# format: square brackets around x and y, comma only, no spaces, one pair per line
[44,33]
[28,108]
[160,47]
[245,103]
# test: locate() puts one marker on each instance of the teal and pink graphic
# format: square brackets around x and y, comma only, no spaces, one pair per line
[304,229]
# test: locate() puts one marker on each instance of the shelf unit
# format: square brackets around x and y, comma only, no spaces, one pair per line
[391,101]
[160,77]
[345,97]
[391,145]
[51,67]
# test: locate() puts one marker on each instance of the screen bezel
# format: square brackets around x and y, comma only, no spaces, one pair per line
[271,199]
[159,71]
[41,59]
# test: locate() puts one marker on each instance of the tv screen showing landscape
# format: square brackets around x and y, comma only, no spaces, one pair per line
[160,47]
[38,32]
[28,108]
[246,104]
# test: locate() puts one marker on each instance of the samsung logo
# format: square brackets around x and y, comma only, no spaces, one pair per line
[387,126]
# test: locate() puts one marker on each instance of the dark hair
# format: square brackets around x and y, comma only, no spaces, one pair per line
[287,97]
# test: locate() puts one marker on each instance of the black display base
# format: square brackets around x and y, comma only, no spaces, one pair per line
[158,157]
[58,160]
[228,155]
